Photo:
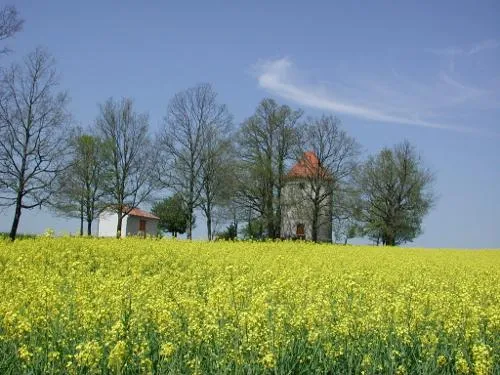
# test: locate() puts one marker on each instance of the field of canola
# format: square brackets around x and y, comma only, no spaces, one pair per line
[87,306]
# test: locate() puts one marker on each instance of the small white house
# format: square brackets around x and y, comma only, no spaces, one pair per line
[137,222]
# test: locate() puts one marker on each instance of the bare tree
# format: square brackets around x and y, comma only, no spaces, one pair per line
[10,24]
[32,133]
[80,188]
[329,157]
[129,156]
[191,144]
[266,142]
[216,173]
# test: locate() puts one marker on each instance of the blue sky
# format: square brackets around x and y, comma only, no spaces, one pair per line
[429,73]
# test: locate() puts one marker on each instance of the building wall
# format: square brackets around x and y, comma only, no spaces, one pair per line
[297,209]
[106,224]
[133,226]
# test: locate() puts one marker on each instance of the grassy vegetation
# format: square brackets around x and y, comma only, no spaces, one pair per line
[21,236]
[82,305]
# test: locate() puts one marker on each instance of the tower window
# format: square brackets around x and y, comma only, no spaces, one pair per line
[300,231]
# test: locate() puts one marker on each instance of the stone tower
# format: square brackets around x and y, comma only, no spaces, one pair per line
[307,201]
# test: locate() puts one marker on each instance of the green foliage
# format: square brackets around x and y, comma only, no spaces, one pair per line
[19,236]
[230,233]
[173,214]
[396,194]
[80,188]
[254,229]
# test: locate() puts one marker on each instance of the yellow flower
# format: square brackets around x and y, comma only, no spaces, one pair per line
[269,361]
[461,365]
[367,361]
[54,356]
[24,353]
[441,360]
[236,305]
[88,354]
[482,358]
[401,370]
[117,355]
[167,350]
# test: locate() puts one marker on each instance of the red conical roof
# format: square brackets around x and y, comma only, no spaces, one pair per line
[308,166]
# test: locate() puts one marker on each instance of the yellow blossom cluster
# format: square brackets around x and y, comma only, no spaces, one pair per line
[87,305]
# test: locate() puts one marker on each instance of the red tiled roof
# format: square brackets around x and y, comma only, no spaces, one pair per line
[140,213]
[308,166]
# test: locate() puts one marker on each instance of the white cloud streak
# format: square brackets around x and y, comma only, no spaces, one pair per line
[485,45]
[279,78]
[459,51]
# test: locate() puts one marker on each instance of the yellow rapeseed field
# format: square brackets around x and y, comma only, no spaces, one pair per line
[90,306]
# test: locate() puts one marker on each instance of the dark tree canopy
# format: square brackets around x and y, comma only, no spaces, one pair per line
[173,214]
[396,193]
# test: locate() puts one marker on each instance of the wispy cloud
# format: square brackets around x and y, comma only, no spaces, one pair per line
[487,44]
[461,51]
[363,99]
[448,51]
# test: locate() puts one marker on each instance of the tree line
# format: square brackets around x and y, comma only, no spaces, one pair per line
[231,174]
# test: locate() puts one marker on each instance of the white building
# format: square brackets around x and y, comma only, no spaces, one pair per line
[307,182]
[136,222]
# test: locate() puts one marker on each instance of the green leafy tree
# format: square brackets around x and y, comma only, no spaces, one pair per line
[396,193]
[254,230]
[230,233]
[80,188]
[173,214]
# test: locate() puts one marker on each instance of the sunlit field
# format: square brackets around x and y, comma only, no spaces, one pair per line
[128,306]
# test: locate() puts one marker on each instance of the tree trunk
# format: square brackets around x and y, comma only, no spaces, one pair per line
[391,240]
[208,215]
[270,219]
[189,233]
[17,216]
[90,215]
[81,218]
[269,212]
[314,227]
[209,227]
[277,219]
[315,221]
[119,226]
